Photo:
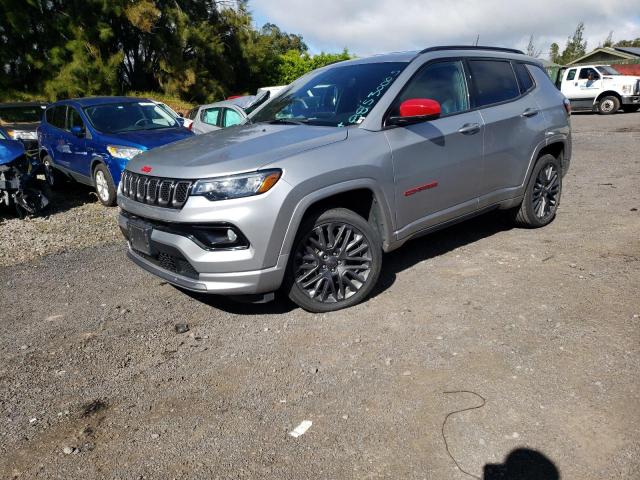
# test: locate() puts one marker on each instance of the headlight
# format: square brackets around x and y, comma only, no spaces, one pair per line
[627,88]
[237,186]
[22,135]
[126,153]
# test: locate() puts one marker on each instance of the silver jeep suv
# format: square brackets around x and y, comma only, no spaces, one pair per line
[349,161]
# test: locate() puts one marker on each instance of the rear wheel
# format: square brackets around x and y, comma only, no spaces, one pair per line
[53,176]
[336,260]
[104,185]
[608,105]
[630,108]
[542,197]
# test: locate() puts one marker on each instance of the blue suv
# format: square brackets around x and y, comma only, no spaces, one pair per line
[91,139]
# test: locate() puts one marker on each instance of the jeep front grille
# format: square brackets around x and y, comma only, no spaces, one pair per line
[164,192]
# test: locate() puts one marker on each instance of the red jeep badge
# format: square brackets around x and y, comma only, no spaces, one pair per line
[146,169]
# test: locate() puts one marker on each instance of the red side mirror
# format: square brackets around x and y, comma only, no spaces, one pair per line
[420,107]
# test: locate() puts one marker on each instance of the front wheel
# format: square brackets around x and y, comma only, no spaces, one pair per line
[608,105]
[104,185]
[542,196]
[335,263]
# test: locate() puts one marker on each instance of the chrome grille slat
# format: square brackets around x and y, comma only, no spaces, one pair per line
[163,192]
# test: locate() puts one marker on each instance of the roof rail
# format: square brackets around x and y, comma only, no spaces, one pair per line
[472,47]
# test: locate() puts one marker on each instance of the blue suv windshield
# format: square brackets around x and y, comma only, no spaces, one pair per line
[129,117]
[337,97]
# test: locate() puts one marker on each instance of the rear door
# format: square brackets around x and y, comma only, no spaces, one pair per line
[210,119]
[57,138]
[514,125]
[438,163]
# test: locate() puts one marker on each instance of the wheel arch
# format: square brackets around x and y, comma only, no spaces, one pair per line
[361,196]
[608,93]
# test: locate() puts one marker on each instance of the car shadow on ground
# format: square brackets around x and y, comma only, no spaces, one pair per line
[439,243]
[522,464]
[405,257]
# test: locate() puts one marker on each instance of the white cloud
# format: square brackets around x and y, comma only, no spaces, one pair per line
[376,26]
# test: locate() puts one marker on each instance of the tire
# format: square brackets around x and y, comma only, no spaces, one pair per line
[52,175]
[630,108]
[542,196]
[335,261]
[104,185]
[608,105]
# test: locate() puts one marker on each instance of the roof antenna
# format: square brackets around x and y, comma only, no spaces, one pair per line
[477,40]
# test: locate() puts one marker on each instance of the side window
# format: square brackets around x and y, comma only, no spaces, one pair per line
[74,119]
[56,116]
[231,118]
[524,77]
[588,74]
[494,81]
[192,113]
[2,136]
[210,116]
[440,81]
[572,74]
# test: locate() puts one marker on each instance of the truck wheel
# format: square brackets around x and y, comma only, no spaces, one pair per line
[608,105]
[52,175]
[104,185]
[630,108]
[542,196]
[335,262]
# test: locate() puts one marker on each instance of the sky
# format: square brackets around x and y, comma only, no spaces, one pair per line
[378,26]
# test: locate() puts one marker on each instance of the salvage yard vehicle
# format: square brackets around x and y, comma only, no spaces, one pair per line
[350,161]
[90,140]
[20,120]
[214,116]
[600,88]
[17,178]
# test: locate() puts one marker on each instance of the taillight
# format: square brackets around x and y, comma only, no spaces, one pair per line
[567,106]
[190,127]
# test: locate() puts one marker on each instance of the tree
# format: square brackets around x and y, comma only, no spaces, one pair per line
[608,42]
[293,64]
[554,53]
[628,43]
[532,50]
[576,46]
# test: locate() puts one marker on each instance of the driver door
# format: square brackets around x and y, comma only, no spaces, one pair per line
[438,163]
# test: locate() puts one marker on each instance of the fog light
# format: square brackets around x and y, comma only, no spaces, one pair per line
[231,236]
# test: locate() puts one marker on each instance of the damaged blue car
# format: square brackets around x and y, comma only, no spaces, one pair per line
[18,188]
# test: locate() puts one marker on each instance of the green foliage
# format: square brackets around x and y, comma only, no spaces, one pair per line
[198,50]
[293,64]
[576,47]
[628,43]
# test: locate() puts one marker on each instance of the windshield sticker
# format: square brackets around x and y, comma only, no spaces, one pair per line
[365,105]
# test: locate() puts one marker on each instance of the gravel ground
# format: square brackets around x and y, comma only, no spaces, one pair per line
[95,382]
[73,220]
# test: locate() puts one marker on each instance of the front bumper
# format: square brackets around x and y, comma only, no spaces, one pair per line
[631,100]
[185,262]
[238,283]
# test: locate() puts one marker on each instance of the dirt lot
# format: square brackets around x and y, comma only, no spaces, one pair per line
[96,383]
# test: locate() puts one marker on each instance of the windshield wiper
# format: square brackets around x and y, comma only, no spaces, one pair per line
[289,121]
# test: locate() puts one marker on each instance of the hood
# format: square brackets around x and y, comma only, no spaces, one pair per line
[234,150]
[147,139]
[10,150]
[26,127]
[620,79]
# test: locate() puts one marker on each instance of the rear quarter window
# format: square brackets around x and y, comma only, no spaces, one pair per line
[524,77]
[494,81]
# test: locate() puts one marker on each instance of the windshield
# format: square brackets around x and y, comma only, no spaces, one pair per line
[31,114]
[129,117]
[606,70]
[337,97]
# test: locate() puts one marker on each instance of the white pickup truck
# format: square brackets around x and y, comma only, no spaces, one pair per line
[600,88]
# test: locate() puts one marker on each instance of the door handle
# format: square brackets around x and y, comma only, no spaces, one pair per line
[529,112]
[469,128]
